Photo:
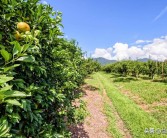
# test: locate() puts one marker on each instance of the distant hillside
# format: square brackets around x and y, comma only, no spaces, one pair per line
[143,59]
[103,61]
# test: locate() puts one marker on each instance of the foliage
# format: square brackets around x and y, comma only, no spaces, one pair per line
[39,72]
[135,68]
[4,128]
[90,66]
[81,112]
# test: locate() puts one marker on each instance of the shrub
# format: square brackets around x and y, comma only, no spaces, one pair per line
[39,72]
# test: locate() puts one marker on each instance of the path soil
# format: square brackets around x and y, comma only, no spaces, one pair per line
[95,124]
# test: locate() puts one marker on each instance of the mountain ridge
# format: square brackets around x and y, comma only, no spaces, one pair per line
[104,61]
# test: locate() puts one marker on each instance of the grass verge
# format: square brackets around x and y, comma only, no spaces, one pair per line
[151,92]
[108,109]
[136,120]
[148,90]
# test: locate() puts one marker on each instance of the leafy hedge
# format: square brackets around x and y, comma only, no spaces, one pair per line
[39,73]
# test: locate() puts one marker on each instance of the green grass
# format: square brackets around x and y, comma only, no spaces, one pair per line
[149,91]
[112,126]
[93,80]
[108,109]
[134,117]
[160,113]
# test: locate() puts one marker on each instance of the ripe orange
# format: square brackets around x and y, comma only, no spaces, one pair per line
[23,27]
[17,35]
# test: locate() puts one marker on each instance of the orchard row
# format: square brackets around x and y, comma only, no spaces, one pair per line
[40,72]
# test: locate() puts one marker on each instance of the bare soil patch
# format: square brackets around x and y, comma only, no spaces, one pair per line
[137,100]
[143,105]
[163,102]
[95,124]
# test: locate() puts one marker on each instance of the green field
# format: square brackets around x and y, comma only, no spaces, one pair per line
[135,118]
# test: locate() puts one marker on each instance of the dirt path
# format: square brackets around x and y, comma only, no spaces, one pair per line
[95,124]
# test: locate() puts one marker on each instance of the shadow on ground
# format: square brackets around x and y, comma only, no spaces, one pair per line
[78,131]
[127,79]
[82,91]
[116,76]
[89,77]
[160,80]
[90,87]
[79,92]
[145,78]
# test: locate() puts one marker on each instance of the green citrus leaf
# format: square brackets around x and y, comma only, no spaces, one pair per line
[5,54]
[26,59]
[13,102]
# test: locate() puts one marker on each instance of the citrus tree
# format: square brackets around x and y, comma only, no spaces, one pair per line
[40,71]
[135,68]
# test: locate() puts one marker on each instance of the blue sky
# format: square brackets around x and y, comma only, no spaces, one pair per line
[115,29]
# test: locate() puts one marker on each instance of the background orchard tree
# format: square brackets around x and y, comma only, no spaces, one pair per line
[90,66]
[151,68]
[137,68]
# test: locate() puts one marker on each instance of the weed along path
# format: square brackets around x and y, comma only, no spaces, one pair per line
[113,114]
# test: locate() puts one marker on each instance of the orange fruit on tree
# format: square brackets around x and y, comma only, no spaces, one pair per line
[17,35]
[23,26]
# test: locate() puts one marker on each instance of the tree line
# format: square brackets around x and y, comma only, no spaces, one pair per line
[137,68]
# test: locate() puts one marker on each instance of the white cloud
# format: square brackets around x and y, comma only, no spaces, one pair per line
[156,49]
[120,51]
[109,50]
[135,52]
[142,41]
[105,53]
[44,2]
[160,14]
